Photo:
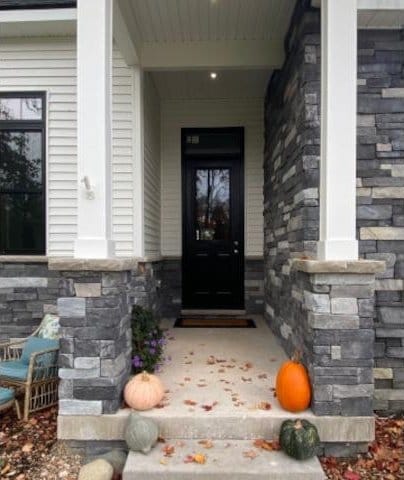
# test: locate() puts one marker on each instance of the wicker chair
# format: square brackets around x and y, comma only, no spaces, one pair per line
[30,366]
[8,400]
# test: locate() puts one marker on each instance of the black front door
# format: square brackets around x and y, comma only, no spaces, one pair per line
[213,212]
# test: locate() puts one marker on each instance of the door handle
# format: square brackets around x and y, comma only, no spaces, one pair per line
[235,243]
[235,251]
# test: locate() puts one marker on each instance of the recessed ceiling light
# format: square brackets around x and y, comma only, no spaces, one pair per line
[213,75]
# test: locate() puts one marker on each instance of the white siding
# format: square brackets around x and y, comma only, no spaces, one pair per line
[49,64]
[122,161]
[152,169]
[177,114]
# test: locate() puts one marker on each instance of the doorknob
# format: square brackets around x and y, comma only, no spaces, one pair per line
[235,243]
[235,251]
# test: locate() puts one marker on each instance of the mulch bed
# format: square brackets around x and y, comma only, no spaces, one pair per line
[383,461]
[28,451]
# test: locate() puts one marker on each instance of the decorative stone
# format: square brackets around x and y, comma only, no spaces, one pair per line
[97,470]
[383,373]
[117,459]
[88,289]
[71,307]
[344,306]
[392,315]
[374,212]
[333,322]
[389,284]
[23,282]
[317,302]
[393,92]
[382,233]
[388,192]
[80,407]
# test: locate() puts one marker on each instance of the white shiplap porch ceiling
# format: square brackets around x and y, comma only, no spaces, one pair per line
[183,34]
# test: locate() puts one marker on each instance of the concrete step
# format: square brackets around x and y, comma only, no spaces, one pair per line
[219,424]
[225,460]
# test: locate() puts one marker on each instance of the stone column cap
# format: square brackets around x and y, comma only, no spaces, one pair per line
[95,265]
[23,259]
[338,266]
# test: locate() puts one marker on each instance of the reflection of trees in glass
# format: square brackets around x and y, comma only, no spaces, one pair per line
[20,108]
[212,194]
[20,161]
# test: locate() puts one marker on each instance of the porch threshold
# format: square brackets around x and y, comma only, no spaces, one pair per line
[213,312]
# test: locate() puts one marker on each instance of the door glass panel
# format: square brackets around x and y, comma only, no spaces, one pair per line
[20,161]
[212,192]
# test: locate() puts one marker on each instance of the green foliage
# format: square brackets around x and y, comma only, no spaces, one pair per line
[147,341]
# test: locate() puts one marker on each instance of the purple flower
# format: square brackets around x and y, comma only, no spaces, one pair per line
[152,351]
[153,343]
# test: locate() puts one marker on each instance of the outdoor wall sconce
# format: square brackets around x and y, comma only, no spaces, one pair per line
[90,195]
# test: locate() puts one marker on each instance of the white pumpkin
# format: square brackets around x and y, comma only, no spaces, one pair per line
[144,391]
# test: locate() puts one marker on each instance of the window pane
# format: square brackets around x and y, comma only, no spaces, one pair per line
[10,108]
[31,109]
[21,108]
[20,161]
[213,143]
[212,204]
[22,221]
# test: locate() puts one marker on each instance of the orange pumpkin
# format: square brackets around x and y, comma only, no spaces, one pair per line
[144,391]
[293,389]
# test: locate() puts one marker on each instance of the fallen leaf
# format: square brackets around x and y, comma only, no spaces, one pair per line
[27,447]
[206,443]
[269,445]
[168,450]
[251,454]
[200,458]
[349,475]
[192,403]
[188,459]
[208,408]
[264,406]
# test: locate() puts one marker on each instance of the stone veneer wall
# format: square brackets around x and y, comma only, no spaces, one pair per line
[27,291]
[291,164]
[292,179]
[380,210]
[171,286]
[94,306]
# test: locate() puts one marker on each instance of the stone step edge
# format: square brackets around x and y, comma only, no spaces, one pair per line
[111,427]
[224,460]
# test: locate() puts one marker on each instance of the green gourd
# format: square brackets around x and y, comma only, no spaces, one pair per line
[299,439]
[141,433]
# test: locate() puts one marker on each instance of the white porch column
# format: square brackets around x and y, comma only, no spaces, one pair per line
[338,130]
[94,107]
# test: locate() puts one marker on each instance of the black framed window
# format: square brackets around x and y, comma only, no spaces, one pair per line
[22,173]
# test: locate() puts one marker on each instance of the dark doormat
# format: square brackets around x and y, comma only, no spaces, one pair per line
[214,322]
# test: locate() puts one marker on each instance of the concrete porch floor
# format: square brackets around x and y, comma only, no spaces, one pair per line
[235,367]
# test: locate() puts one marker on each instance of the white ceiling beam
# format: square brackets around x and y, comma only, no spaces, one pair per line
[373,4]
[123,38]
[212,54]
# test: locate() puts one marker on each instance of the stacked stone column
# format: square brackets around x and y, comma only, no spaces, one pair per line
[95,350]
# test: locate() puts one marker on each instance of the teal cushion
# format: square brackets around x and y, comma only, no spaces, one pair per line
[6,395]
[14,369]
[35,344]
